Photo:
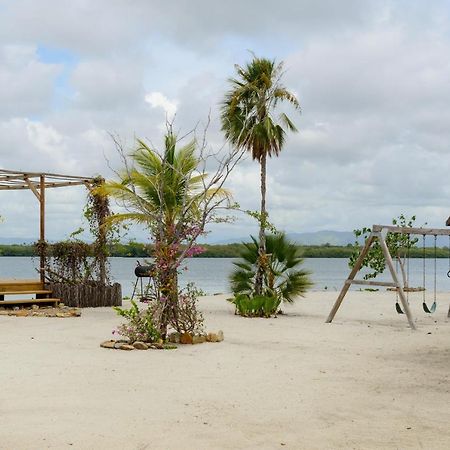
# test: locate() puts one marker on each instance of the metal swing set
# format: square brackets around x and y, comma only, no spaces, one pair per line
[379,233]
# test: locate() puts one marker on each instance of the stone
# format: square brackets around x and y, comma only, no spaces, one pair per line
[75,313]
[16,308]
[198,339]
[220,336]
[174,338]
[60,314]
[34,307]
[61,305]
[4,312]
[212,337]
[108,344]
[158,345]
[138,345]
[22,313]
[186,338]
[126,347]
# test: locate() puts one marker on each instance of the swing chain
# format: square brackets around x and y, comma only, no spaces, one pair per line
[448,273]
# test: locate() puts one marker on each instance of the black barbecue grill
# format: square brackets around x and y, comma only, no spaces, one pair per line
[142,272]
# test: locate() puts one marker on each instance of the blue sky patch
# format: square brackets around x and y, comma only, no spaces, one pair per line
[63,91]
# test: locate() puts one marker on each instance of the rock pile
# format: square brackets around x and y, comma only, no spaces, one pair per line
[41,311]
[188,338]
[123,344]
[174,338]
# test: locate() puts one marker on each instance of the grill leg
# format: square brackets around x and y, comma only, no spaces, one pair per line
[134,290]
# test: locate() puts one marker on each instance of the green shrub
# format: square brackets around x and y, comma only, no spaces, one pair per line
[257,306]
[140,324]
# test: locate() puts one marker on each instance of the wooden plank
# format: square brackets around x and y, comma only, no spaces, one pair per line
[372,283]
[13,285]
[30,292]
[30,301]
[412,230]
[353,272]
[33,189]
[401,294]
[13,177]
[11,187]
[47,174]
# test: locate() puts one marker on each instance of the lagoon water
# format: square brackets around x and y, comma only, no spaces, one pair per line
[210,274]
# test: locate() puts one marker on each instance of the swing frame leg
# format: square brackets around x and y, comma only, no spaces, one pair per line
[401,293]
[348,282]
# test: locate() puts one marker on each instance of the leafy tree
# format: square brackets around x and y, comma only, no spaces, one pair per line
[283,280]
[399,246]
[249,122]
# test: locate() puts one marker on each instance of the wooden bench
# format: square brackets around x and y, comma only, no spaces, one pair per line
[25,287]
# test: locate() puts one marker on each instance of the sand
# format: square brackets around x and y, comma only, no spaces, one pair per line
[366,381]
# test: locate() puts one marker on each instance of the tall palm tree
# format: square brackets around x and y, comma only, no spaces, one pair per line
[249,122]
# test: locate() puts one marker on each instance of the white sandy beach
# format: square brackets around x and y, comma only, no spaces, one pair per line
[366,381]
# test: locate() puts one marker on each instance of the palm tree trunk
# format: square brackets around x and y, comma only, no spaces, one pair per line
[169,293]
[262,230]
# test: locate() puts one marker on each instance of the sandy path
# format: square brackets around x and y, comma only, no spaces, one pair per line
[366,381]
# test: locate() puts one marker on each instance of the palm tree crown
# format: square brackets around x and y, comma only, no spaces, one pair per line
[158,183]
[248,109]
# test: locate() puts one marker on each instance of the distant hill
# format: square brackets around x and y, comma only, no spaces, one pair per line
[323,237]
[310,238]
[338,238]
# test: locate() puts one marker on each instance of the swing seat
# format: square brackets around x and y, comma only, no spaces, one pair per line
[430,310]
[398,308]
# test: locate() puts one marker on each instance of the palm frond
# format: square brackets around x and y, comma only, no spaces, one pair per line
[289,280]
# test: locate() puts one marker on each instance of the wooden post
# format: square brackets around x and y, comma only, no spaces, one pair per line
[42,227]
[102,239]
[347,283]
[390,264]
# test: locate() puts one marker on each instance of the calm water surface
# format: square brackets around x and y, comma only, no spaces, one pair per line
[210,274]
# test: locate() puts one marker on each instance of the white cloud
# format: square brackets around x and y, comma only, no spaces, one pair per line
[26,84]
[372,79]
[159,100]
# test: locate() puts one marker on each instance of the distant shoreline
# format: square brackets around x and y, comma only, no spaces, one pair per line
[139,250]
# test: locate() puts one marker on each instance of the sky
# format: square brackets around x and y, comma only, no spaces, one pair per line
[372,78]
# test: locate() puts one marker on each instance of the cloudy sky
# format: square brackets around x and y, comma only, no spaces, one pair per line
[373,79]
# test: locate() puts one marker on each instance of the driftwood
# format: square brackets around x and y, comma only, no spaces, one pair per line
[88,294]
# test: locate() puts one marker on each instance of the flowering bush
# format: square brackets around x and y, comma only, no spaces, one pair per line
[188,319]
[141,325]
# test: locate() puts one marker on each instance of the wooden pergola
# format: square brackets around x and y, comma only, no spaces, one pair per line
[38,182]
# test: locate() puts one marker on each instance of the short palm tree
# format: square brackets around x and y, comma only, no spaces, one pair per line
[249,122]
[282,279]
[163,192]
